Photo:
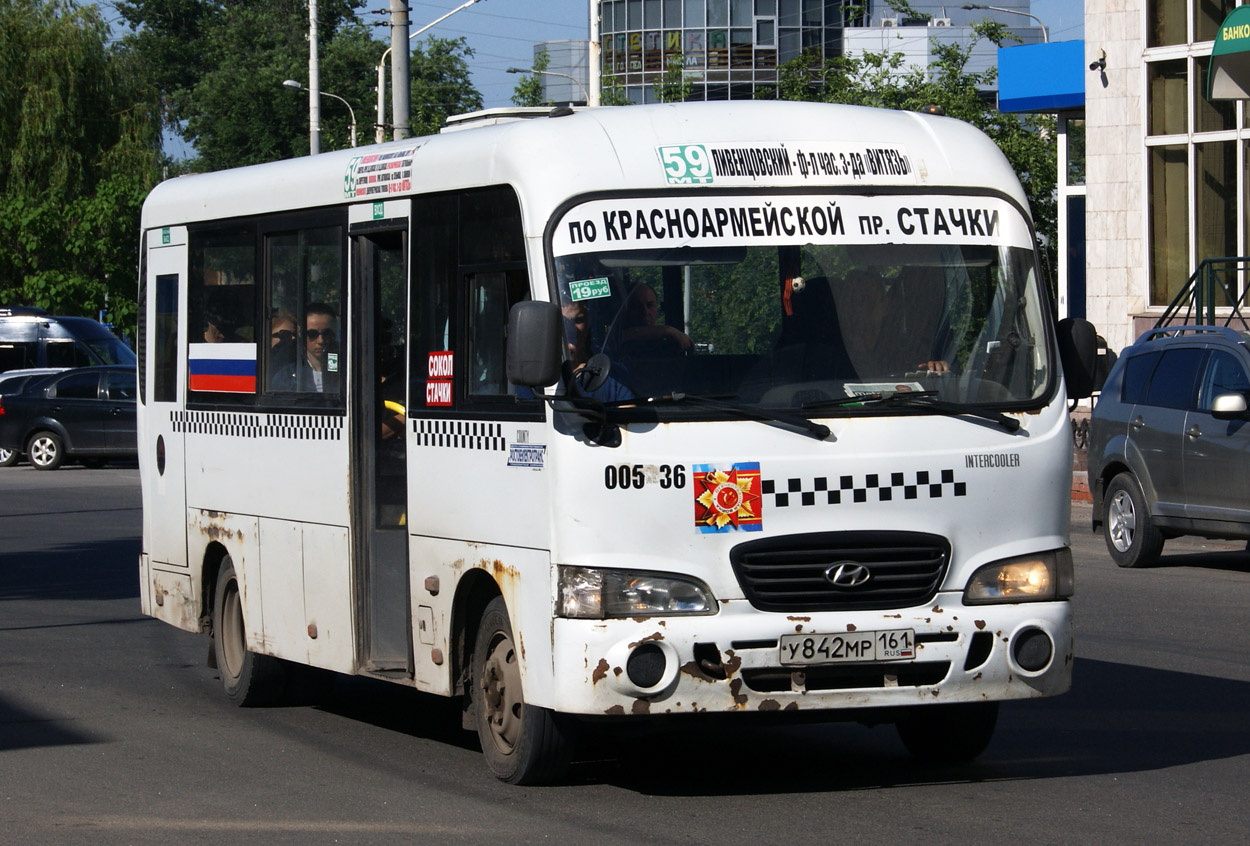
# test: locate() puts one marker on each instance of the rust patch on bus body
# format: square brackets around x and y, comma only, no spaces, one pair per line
[601,671]
[641,706]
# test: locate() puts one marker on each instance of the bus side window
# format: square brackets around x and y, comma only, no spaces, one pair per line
[221,300]
[491,296]
[304,271]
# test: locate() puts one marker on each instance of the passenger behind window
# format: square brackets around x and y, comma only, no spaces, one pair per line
[643,333]
[316,370]
[213,333]
[282,337]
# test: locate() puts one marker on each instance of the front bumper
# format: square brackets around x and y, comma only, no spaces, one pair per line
[730,661]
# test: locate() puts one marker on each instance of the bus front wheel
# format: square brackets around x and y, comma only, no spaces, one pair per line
[522,744]
[249,679]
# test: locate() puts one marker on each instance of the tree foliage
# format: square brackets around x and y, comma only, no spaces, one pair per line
[529,91]
[881,80]
[218,66]
[673,86]
[81,139]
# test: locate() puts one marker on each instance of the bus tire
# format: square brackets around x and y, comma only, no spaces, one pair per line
[45,450]
[948,734]
[1132,537]
[522,744]
[248,678]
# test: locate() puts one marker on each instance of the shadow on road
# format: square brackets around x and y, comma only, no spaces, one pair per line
[1118,718]
[23,729]
[97,570]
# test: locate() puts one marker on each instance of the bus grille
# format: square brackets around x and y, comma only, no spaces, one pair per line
[801,572]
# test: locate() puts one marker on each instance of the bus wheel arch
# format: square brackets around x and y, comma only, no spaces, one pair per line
[474,592]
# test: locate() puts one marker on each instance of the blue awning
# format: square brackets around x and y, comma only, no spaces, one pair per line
[1042,77]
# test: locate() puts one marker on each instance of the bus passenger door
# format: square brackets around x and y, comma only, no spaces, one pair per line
[379,472]
[160,433]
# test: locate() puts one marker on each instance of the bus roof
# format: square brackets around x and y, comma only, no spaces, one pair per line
[551,159]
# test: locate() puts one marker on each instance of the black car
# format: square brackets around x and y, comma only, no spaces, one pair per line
[87,413]
[14,382]
[1169,442]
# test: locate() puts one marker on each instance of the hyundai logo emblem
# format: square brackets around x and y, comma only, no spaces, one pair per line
[848,574]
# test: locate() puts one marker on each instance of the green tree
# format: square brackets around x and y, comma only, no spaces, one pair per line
[529,91]
[880,80]
[673,86]
[441,85]
[81,135]
[611,91]
[218,66]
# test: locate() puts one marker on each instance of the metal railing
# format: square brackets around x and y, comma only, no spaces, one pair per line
[1197,297]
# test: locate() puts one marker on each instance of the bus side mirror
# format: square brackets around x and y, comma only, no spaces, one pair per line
[1078,352]
[534,333]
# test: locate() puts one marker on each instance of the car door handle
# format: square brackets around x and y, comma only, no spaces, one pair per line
[1194,431]
[1138,423]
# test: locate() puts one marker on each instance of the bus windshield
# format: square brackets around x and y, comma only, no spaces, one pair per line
[807,321]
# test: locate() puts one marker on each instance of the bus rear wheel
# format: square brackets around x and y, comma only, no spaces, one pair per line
[522,744]
[948,734]
[248,678]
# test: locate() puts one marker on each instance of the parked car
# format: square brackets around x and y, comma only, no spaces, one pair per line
[29,337]
[87,413]
[14,382]
[1169,442]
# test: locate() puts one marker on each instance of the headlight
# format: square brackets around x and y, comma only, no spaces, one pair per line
[594,594]
[1026,578]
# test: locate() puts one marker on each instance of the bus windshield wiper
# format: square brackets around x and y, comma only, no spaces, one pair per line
[781,420]
[923,400]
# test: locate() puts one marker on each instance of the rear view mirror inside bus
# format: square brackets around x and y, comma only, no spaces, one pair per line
[534,344]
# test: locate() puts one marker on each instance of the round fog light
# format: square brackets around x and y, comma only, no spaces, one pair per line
[1032,650]
[645,665]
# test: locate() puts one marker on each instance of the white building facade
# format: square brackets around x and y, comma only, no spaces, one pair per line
[1165,168]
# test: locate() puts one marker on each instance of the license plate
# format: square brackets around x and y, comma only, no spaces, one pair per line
[849,647]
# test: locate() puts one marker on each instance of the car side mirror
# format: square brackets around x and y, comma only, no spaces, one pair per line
[1078,353]
[534,332]
[1228,407]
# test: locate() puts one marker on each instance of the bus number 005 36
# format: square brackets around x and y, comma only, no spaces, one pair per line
[626,476]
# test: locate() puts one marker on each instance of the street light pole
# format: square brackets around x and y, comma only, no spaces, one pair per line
[295,86]
[578,82]
[973,6]
[401,81]
[594,59]
[314,83]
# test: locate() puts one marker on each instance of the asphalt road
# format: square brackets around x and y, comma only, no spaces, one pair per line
[112,730]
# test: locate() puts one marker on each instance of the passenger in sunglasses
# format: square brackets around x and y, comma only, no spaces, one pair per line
[317,369]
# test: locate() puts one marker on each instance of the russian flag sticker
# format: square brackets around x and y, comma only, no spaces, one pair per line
[226,368]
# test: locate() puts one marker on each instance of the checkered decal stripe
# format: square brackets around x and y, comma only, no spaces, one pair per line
[873,487]
[288,427]
[460,434]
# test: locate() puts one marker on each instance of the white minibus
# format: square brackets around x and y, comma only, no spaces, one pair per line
[617,413]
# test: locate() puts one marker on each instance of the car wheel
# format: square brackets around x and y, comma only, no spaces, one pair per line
[249,679]
[46,451]
[948,734]
[9,457]
[522,743]
[1132,537]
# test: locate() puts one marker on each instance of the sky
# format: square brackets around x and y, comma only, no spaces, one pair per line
[502,33]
